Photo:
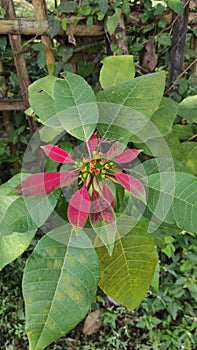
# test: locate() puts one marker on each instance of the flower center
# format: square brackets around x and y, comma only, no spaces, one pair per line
[96,167]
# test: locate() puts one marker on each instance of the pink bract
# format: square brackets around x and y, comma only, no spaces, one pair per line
[79,207]
[57,154]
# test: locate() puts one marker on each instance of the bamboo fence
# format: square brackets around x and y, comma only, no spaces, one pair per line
[37,27]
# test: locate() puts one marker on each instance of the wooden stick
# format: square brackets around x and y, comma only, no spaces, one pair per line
[34,27]
[195,65]
[7,104]
[19,59]
[41,14]
[30,26]
[179,32]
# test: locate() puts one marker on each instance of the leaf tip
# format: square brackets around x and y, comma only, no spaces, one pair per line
[16,191]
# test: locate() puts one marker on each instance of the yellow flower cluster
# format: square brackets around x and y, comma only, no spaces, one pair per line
[95,167]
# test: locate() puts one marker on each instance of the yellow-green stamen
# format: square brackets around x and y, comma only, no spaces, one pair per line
[95,167]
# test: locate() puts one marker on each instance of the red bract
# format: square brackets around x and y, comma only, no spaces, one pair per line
[134,186]
[79,207]
[93,196]
[92,143]
[102,206]
[127,156]
[57,154]
[42,183]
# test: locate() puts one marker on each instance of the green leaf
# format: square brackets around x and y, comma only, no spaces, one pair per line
[164,117]
[127,275]
[155,280]
[13,242]
[48,134]
[85,10]
[190,150]
[54,25]
[17,219]
[163,232]
[179,198]
[40,208]
[159,165]
[161,187]
[116,70]
[173,309]
[3,42]
[175,147]
[12,246]
[169,248]
[188,109]
[182,131]
[75,91]
[176,5]
[125,108]
[65,103]
[8,188]
[68,7]
[185,204]
[20,219]
[59,285]
[126,7]
[187,265]
[103,6]
[164,39]
[159,146]
[194,31]
[89,21]
[14,215]
[107,234]
[41,57]
[76,106]
[112,21]
[143,93]
[66,53]
[27,214]
[64,23]
[112,122]
[85,69]
[152,135]
[41,97]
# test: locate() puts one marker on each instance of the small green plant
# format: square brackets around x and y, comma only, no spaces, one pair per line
[98,211]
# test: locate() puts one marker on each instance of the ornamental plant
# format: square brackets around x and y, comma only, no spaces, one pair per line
[100,179]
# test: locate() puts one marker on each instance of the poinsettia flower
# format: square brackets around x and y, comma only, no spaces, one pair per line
[93,196]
